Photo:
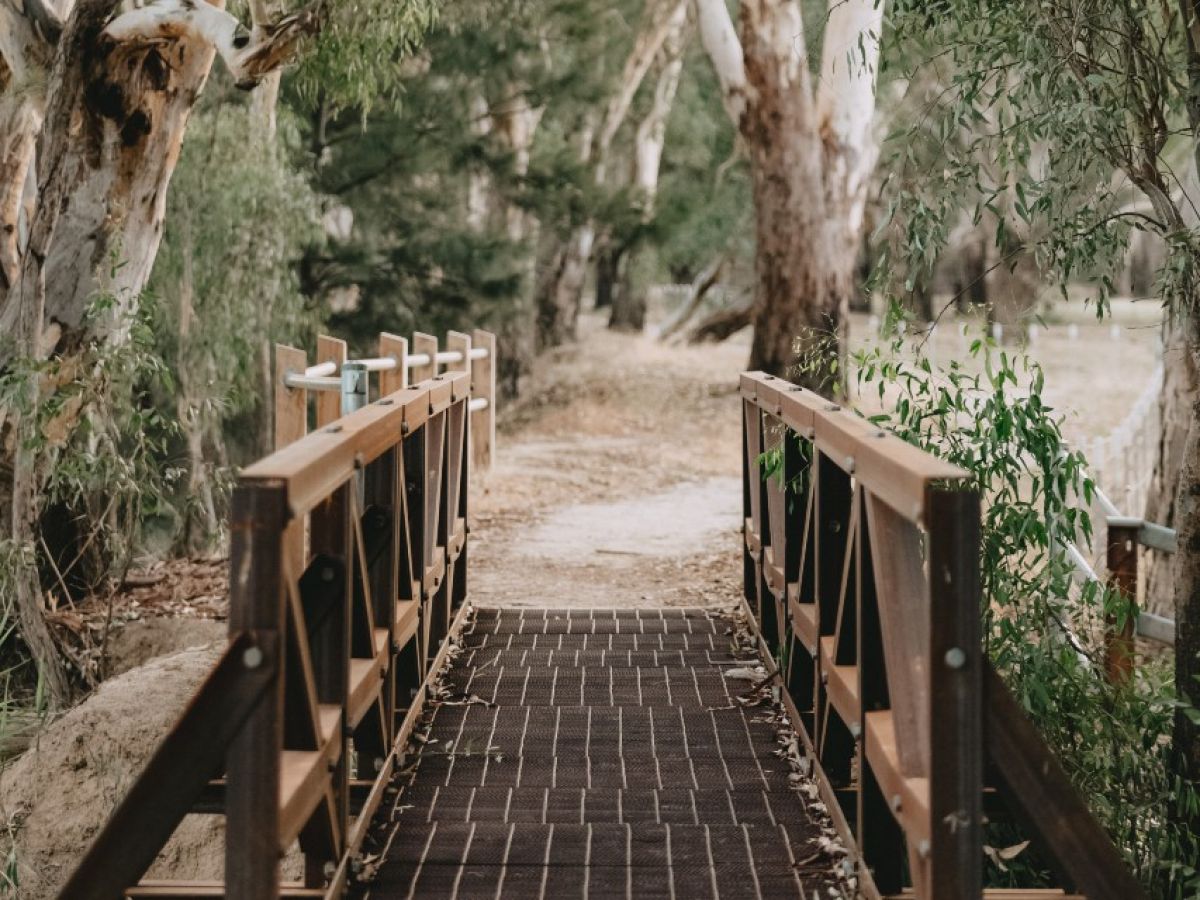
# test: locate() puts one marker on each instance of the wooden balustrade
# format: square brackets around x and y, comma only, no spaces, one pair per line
[297,731]
[861,559]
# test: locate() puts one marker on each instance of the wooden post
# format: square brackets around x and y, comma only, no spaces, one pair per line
[329,403]
[483,385]
[955,857]
[397,348]
[291,424]
[427,344]
[1123,577]
[256,606]
[460,343]
[291,404]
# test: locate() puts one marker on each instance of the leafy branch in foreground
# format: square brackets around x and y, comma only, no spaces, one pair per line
[1043,631]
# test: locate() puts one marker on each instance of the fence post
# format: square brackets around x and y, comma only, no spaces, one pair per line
[329,403]
[483,385]
[397,348]
[291,404]
[461,343]
[256,598]
[1122,563]
[955,695]
[427,344]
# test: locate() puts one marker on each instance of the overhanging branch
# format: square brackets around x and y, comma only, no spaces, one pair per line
[250,55]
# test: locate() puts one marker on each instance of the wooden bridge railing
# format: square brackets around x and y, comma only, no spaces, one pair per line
[861,570]
[296,382]
[297,730]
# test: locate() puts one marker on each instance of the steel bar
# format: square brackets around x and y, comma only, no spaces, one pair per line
[1156,628]
[376,363]
[313,382]
[1158,537]
[329,367]
[1110,508]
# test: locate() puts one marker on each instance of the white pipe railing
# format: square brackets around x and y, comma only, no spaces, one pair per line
[324,376]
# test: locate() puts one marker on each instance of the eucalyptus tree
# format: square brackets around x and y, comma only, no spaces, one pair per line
[563,270]
[808,132]
[96,99]
[1088,114]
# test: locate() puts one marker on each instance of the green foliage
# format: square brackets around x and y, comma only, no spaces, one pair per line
[704,203]
[358,59]
[1062,122]
[241,215]
[102,445]
[1043,631]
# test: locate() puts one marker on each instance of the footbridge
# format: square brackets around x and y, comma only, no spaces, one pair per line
[835,732]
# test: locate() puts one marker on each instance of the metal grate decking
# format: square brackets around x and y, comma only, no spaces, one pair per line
[599,754]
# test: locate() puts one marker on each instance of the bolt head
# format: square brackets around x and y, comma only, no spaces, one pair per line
[956,658]
[895,803]
[252,658]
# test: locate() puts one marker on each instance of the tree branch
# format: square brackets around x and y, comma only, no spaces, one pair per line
[250,55]
[720,41]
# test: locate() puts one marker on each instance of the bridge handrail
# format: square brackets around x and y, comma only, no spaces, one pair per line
[347,564]
[861,562]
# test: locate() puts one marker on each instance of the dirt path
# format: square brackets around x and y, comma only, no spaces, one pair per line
[617,481]
[617,474]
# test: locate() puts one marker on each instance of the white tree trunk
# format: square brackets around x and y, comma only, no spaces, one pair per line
[811,156]
[652,130]
[846,105]
[107,102]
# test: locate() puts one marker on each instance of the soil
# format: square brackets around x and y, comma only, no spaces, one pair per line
[57,795]
[616,483]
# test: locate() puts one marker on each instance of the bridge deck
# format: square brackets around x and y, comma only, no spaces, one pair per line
[599,753]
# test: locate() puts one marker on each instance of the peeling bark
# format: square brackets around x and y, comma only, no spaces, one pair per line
[106,101]
[811,156]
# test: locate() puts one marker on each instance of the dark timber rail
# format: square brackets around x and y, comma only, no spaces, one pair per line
[409,745]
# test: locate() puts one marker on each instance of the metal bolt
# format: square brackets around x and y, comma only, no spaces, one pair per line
[832,407]
[880,434]
[252,658]
[327,574]
[850,464]
[404,428]
[795,387]
[895,803]
[824,678]
[855,730]
[955,658]
[333,429]
[923,849]
[359,461]
[386,402]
